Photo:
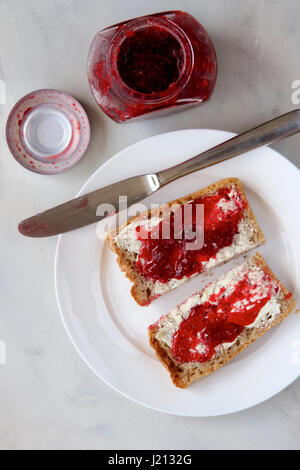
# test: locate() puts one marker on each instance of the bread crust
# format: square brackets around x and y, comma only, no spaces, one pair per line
[183,375]
[142,289]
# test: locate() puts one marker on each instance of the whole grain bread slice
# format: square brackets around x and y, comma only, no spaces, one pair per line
[184,374]
[144,291]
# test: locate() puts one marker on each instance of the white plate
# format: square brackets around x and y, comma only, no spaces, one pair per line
[110,331]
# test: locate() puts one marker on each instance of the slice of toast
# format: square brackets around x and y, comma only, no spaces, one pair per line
[123,241]
[163,333]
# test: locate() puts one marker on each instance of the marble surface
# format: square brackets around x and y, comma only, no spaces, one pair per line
[48,397]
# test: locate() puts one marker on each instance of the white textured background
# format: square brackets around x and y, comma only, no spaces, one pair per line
[48,397]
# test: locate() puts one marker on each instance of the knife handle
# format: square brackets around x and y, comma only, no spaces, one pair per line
[268,133]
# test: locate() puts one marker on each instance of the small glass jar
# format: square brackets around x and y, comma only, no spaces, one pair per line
[154,64]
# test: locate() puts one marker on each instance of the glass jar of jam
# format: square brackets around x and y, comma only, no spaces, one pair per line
[153,64]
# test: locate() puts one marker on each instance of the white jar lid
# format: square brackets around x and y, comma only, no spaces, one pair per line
[48,131]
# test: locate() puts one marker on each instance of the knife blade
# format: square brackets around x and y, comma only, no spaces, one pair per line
[83,211]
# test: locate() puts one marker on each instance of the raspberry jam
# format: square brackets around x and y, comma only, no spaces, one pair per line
[162,259]
[221,319]
[150,64]
[150,61]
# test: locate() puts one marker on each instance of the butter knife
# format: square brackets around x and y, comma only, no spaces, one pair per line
[83,210]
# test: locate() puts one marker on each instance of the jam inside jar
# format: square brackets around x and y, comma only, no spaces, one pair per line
[152,64]
[150,61]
